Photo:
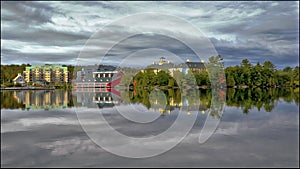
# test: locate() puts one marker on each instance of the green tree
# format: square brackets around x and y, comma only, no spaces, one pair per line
[295,76]
[245,63]
[230,80]
[163,78]
[246,72]
[287,69]
[256,75]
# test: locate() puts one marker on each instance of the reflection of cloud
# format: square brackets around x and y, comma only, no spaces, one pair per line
[29,123]
[231,130]
[46,121]
[262,139]
[25,124]
[70,146]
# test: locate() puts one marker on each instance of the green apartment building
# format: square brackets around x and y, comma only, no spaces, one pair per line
[46,73]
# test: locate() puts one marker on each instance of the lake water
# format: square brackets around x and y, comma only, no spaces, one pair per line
[258,128]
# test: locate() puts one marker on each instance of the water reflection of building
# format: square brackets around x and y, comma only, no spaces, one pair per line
[97,97]
[184,105]
[54,99]
[162,109]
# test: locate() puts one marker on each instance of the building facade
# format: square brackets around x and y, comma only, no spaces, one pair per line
[19,80]
[46,73]
[97,77]
[194,67]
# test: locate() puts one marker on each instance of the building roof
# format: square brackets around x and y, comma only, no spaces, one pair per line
[163,66]
[47,66]
[191,65]
[106,68]
[19,78]
[199,65]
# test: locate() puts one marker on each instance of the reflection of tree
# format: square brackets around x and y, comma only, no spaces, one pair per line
[172,98]
[295,95]
[140,96]
[8,101]
[246,99]
[260,97]
[217,102]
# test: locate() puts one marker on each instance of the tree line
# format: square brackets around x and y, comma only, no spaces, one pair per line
[258,75]
[245,74]
[9,72]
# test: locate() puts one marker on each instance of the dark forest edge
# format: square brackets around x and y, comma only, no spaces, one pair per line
[240,76]
[244,75]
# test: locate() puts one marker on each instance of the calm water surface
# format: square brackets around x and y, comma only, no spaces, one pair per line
[260,127]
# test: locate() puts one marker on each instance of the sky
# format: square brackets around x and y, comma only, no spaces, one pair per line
[56,32]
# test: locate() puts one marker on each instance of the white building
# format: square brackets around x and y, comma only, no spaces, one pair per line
[19,80]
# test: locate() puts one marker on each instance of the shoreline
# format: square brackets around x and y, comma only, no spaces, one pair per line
[27,88]
[154,87]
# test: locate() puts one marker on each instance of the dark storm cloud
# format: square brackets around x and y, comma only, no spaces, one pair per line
[21,22]
[156,46]
[144,48]
[105,5]
[27,12]
[140,42]
[46,37]
[273,34]
[254,30]
[234,53]
[234,56]
[10,56]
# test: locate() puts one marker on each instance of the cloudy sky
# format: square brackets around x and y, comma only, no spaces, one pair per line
[56,32]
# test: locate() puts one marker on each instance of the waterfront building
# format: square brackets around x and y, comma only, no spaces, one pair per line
[97,77]
[46,73]
[20,80]
[194,67]
[162,64]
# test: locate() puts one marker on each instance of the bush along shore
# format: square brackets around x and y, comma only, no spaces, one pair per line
[46,87]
